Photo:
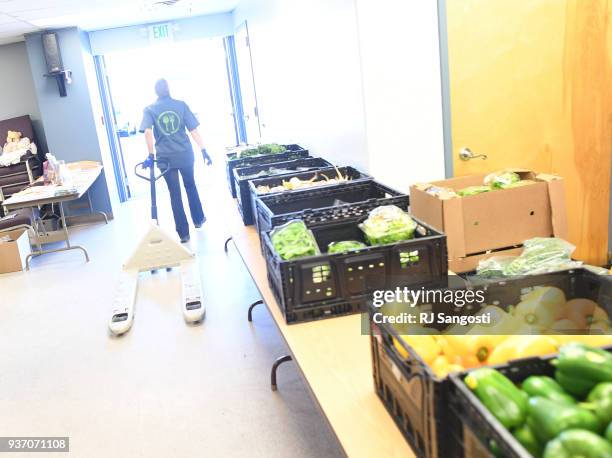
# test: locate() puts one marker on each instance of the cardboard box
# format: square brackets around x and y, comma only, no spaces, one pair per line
[13,254]
[495,222]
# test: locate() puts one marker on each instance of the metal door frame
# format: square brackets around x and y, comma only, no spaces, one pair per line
[445,80]
[110,123]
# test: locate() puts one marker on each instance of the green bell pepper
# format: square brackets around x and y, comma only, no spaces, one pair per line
[546,387]
[499,395]
[600,402]
[574,384]
[548,419]
[589,363]
[527,439]
[608,433]
[575,443]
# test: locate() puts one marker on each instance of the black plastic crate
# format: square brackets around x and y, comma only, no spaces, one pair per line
[432,428]
[480,431]
[320,175]
[413,395]
[324,204]
[232,161]
[333,280]
[241,180]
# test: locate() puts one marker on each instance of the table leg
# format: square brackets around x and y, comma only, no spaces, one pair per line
[226,242]
[278,362]
[66,238]
[251,307]
[91,210]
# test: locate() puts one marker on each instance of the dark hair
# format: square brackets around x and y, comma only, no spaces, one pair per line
[161,88]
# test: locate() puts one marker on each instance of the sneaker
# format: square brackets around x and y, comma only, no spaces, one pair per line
[185,238]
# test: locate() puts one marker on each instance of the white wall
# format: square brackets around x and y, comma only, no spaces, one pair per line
[402,90]
[308,75]
[18,94]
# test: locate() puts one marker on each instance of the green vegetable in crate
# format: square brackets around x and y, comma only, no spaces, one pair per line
[580,367]
[388,224]
[270,148]
[294,240]
[546,387]
[473,190]
[499,395]
[501,179]
[527,439]
[600,402]
[608,432]
[344,246]
[573,384]
[578,443]
[548,419]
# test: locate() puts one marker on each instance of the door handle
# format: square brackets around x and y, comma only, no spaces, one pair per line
[465,154]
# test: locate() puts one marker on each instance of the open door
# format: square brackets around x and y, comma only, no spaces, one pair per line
[110,122]
[531,86]
[247,83]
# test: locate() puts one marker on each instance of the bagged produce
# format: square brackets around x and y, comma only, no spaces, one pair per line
[294,240]
[473,190]
[502,179]
[518,184]
[540,255]
[344,246]
[440,192]
[543,254]
[388,224]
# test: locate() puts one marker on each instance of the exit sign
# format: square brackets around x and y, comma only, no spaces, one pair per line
[161,33]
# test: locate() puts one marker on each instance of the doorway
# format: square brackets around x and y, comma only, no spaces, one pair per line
[197,73]
[516,98]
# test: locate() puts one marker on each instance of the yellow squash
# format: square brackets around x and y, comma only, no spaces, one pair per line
[473,350]
[425,346]
[541,307]
[522,346]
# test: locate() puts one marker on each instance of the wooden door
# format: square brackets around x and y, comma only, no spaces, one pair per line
[531,86]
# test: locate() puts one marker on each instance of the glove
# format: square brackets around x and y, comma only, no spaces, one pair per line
[148,162]
[206,157]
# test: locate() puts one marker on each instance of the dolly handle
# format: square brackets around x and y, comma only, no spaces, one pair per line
[152,177]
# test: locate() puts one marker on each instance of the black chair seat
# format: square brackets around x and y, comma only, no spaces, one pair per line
[21,217]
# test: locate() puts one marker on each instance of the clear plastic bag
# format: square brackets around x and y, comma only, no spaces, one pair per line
[294,240]
[388,224]
[344,246]
[494,266]
[540,255]
[501,179]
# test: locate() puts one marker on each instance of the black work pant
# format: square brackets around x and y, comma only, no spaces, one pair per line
[176,199]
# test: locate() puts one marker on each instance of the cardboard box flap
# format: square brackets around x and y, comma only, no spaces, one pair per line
[547,177]
[426,208]
[558,209]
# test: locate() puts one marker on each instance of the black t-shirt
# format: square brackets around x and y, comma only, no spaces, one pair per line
[170,120]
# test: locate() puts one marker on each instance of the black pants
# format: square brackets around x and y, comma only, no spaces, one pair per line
[195,206]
